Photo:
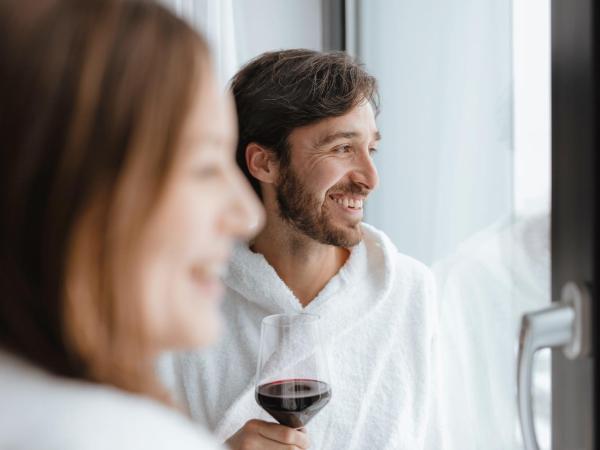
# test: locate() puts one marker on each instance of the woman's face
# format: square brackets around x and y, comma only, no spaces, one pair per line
[205,206]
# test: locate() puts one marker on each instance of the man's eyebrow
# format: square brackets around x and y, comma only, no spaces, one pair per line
[328,139]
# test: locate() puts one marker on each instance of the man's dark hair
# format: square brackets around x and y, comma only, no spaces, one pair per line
[283,90]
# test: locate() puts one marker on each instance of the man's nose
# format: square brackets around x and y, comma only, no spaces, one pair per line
[365,171]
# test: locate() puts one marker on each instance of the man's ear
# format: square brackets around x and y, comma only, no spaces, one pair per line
[261,163]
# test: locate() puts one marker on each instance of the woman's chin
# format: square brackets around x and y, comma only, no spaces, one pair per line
[197,330]
[209,290]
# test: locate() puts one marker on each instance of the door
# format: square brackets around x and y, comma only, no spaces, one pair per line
[567,325]
[574,209]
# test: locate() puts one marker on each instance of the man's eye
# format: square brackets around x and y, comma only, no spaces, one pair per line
[372,150]
[343,149]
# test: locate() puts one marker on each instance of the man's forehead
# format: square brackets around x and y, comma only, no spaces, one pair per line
[358,122]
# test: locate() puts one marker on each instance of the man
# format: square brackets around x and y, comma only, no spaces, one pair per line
[307,137]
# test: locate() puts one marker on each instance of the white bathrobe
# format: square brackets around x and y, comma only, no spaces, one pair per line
[41,411]
[379,325]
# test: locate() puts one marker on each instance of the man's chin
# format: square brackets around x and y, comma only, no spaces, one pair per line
[356,237]
[345,236]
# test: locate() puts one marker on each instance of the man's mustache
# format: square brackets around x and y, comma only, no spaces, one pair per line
[352,188]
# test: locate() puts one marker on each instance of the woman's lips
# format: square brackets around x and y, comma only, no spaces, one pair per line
[209,287]
[207,279]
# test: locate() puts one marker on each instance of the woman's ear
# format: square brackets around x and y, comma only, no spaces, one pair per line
[261,163]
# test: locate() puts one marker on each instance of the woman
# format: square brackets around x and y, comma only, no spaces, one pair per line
[119,199]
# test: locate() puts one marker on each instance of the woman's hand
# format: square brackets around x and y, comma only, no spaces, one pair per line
[260,435]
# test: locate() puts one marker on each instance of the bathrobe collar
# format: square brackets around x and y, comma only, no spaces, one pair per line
[371,263]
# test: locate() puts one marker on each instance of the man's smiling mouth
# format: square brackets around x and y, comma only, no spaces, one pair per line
[348,201]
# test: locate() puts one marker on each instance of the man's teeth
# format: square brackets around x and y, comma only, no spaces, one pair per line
[349,202]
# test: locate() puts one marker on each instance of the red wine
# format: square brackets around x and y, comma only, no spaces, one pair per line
[293,402]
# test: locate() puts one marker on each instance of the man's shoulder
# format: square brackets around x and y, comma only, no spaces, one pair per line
[406,263]
[402,263]
[412,276]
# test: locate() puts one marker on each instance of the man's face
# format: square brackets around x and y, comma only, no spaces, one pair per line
[331,172]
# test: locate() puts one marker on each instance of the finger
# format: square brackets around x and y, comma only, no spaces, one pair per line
[284,435]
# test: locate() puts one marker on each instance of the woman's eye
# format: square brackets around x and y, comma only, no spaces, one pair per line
[206,172]
[372,150]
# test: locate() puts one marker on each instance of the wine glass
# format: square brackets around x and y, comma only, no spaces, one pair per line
[292,375]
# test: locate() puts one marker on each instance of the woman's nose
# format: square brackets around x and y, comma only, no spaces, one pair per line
[244,216]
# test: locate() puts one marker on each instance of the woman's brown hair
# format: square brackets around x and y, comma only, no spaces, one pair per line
[94,95]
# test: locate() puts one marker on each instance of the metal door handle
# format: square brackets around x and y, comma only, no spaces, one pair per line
[566,324]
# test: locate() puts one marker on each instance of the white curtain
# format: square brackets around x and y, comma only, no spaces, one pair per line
[238,30]
[215,20]
[484,288]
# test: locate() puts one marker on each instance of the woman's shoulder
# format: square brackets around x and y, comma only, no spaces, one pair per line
[133,422]
[41,411]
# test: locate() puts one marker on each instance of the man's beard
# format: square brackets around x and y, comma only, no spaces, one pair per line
[303,210]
